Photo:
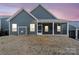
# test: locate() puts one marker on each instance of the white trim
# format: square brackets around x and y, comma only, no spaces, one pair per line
[53,28]
[68,29]
[14,26]
[41,30]
[15,14]
[45,10]
[37,27]
[9,28]
[32,27]
[19,12]
[46,28]
[32,15]
[22,27]
[51,20]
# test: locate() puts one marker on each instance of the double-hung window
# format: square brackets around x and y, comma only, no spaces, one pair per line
[14,27]
[46,29]
[32,27]
[58,28]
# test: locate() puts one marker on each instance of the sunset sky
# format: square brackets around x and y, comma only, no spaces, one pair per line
[60,10]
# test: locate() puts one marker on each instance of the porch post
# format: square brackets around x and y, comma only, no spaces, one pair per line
[76,33]
[68,29]
[9,28]
[37,27]
[53,28]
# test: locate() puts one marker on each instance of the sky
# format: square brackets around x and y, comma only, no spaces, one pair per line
[64,11]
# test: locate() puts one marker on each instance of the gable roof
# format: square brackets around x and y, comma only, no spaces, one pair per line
[19,11]
[39,12]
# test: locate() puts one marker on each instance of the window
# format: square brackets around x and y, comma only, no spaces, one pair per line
[32,27]
[46,29]
[39,28]
[58,28]
[14,27]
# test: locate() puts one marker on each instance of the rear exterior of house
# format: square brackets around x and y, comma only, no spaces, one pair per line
[20,24]
[48,23]
[38,22]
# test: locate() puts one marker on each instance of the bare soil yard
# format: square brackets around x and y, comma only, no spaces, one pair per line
[38,45]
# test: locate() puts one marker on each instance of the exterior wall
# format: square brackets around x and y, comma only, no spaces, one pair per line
[23,19]
[63,28]
[53,28]
[42,13]
[50,30]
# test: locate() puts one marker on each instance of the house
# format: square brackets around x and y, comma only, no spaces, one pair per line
[74,29]
[38,22]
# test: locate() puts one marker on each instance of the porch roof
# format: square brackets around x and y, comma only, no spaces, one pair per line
[75,24]
[51,20]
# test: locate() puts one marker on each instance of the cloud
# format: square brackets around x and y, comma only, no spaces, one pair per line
[62,11]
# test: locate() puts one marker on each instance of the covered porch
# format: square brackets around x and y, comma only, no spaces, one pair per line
[58,28]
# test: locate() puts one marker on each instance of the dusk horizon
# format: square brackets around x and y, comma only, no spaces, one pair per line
[64,11]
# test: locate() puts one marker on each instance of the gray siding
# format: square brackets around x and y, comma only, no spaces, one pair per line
[23,19]
[42,13]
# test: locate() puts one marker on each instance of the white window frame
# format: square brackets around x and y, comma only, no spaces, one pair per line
[32,27]
[58,28]
[14,27]
[40,33]
[46,28]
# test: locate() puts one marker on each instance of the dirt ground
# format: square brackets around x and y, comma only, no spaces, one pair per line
[38,45]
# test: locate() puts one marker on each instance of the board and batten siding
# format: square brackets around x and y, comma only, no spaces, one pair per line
[23,19]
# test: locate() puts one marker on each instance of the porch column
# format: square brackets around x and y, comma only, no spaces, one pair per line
[76,33]
[37,27]
[53,28]
[68,29]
